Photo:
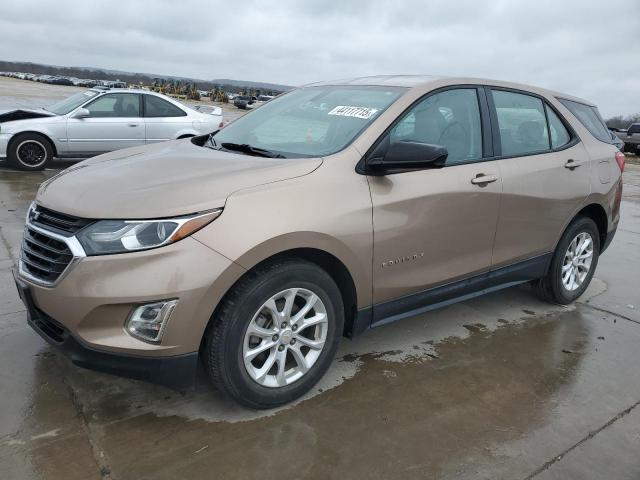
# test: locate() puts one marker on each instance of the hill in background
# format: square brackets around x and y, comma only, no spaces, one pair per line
[135,78]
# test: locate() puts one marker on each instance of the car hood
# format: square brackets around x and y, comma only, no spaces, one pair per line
[161,180]
[24,114]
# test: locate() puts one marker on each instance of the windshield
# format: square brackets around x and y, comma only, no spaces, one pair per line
[310,121]
[71,103]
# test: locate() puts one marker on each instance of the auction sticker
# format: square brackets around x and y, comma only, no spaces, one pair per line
[358,112]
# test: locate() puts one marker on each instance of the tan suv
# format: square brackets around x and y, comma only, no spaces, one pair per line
[335,208]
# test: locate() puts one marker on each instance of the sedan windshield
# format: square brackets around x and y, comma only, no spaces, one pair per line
[71,103]
[310,121]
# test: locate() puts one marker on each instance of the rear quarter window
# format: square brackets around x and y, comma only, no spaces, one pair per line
[590,118]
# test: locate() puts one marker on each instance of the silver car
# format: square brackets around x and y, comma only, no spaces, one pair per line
[96,121]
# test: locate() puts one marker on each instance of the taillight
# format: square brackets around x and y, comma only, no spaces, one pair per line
[620,160]
[222,126]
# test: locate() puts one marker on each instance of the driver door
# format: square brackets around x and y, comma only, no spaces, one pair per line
[435,226]
[114,122]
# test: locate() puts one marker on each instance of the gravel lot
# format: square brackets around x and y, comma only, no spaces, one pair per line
[502,386]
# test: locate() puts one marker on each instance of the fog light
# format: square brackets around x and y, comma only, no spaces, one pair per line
[147,322]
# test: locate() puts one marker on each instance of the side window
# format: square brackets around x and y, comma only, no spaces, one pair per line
[522,123]
[451,119]
[635,128]
[157,107]
[559,134]
[115,105]
[590,118]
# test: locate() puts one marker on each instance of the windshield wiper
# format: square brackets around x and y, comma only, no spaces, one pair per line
[246,148]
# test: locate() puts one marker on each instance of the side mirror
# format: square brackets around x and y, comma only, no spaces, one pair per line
[408,154]
[81,113]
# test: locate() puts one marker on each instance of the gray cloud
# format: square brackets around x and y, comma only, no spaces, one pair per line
[580,47]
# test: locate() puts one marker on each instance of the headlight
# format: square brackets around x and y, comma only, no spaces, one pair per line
[120,236]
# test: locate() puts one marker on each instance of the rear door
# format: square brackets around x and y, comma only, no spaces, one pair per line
[435,226]
[545,175]
[163,120]
[114,122]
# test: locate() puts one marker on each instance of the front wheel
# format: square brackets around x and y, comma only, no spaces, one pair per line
[573,265]
[275,334]
[29,151]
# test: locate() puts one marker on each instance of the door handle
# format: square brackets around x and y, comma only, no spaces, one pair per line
[482,179]
[572,164]
[134,124]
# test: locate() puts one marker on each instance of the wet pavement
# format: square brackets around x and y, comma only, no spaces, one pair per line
[502,386]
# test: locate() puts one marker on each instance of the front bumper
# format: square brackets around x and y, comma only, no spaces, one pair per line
[85,313]
[179,372]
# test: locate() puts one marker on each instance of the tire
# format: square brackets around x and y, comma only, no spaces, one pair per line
[229,344]
[556,286]
[30,152]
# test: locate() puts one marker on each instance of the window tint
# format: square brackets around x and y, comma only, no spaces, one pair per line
[522,123]
[157,107]
[451,119]
[115,105]
[559,134]
[590,118]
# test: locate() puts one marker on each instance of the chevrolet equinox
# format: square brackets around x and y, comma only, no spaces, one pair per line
[249,252]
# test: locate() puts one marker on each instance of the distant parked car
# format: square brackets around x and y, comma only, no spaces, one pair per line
[244,102]
[61,81]
[630,137]
[85,82]
[97,121]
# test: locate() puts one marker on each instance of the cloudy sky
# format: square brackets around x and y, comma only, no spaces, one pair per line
[582,47]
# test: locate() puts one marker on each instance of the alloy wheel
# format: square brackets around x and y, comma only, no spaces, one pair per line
[285,337]
[31,153]
[577,261]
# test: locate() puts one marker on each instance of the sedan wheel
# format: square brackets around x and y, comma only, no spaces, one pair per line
[29,151]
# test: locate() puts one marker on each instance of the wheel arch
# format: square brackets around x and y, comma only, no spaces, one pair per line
[46,136]
[323,259]
[598,214]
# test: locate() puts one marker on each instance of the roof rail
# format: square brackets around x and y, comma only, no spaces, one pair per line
[101,87]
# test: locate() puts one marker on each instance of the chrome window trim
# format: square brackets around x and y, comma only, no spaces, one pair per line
[72,243]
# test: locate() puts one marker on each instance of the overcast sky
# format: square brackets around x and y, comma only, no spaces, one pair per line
[586,48]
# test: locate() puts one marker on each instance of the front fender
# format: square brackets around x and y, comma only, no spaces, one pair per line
[55,134]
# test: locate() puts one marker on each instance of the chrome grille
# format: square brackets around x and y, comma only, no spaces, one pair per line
[44,257]
[58,222]
[49,245]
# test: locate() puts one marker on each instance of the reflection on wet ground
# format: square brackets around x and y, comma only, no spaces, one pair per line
[501,386]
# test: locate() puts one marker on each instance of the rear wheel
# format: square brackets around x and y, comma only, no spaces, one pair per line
[573,264]
[275,334]
[29,151]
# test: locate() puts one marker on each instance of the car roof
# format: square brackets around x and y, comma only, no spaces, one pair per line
[417,81]
[123,90]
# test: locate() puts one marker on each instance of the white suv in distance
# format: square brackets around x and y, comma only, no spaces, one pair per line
[97,121]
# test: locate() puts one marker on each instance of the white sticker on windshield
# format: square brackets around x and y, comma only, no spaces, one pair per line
[358,112]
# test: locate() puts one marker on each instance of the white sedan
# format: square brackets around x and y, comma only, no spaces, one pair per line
[97,121]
